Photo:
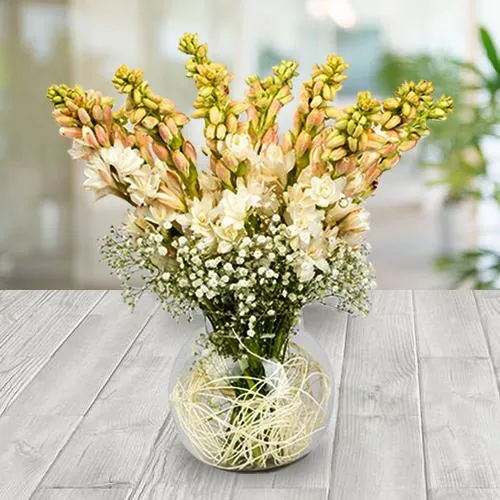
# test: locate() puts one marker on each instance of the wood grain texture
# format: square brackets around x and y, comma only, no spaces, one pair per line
[459,396]
[378,444]
[461,411]
[71,380]
[328,327]
[81,494]
[31,341]
[85,387]
[489,308]
[464,494]
[113,443]
[448,324]
[28,445]
[283,494]
[171,472]
[377,458]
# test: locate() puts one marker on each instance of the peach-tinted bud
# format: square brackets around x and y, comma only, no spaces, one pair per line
[73,132]
[271,136]
[222,173]
[89,137]
[108,116]
[190,151]
[275,108]
[161,152]
[302,144]
[315,119]
[65,121]
[102,136]
[119,136]
[346,165]
[84,117]
[230,161]
[146,154]
[165,133]
[170,122]
[287,144]
[98,113]
[180,162]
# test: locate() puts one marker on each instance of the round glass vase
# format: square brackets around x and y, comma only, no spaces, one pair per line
[235,422]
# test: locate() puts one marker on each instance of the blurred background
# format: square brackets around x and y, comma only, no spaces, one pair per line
[435,219]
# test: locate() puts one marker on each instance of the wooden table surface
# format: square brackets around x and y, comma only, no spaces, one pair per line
[84,403]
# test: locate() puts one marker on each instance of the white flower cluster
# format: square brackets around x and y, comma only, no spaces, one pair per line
[249,257]
[253,291]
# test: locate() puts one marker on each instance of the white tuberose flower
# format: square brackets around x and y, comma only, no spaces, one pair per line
[239,145]
[199,218]
[234,207]
[126,161]
[144,185]
[325,191]
[98,177]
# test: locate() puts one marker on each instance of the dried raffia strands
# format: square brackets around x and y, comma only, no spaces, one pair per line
[273,427]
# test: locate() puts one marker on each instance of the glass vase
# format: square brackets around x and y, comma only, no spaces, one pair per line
[234,421]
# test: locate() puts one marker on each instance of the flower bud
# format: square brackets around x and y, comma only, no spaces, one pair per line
[393,122]
[102,136]
[189,151]
[150,122]
[161,152]
[180,162]
[302,144]
[73,132]
[214,115]
[89,137]
[165,133]
[84,117]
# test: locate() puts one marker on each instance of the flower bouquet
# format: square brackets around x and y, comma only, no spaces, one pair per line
[275,223]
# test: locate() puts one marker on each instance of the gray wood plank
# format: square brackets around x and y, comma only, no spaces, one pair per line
[461,411]
[459,397]
[17,305]
[283,494]
[449,324]
[19,299]
[171,472]
[378,445]
[380,374]
[82,494]
[488,302]
[28,445]
[464,494]
[71,380]
[31,341]
[377,458]
[328,326]
[113,443]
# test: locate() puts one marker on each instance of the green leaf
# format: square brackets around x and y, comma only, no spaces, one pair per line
[490,49]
